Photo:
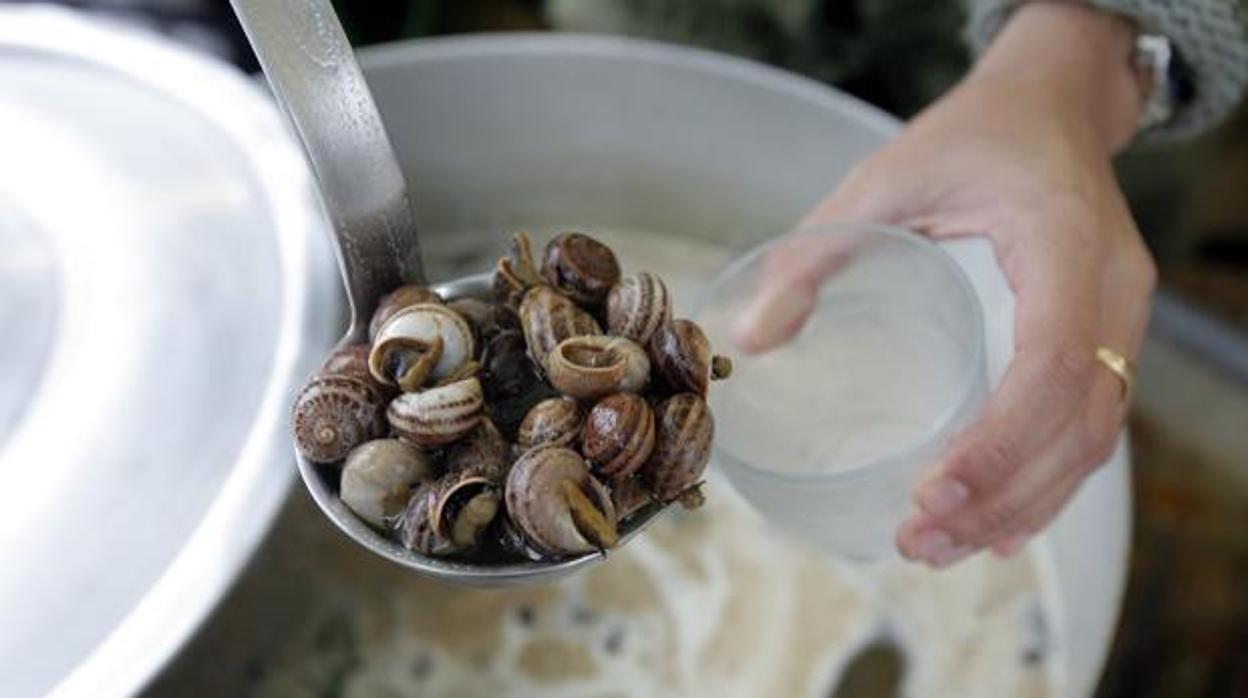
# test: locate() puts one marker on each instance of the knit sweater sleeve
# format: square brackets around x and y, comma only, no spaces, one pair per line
[1209,35]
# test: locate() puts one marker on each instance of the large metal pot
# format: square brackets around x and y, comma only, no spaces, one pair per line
[505,132]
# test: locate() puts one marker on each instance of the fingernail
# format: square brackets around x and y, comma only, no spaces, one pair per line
[933,545]
[943,496]
[953,557]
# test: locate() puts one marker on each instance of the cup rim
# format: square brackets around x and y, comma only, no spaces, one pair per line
[976,356]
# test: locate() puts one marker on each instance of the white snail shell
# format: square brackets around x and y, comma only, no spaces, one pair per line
[438,416]
[379,476]
[426,322]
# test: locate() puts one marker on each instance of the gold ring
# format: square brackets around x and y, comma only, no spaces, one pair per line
[1121,366]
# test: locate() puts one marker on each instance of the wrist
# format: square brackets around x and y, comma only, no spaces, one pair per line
[1078,61]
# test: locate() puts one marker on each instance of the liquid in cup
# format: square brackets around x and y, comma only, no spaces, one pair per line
[827,434]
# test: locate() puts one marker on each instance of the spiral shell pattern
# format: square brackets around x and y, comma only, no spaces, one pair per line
[335,413]
[637,306]
[438,416]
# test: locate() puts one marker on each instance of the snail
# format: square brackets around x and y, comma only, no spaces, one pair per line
[559,507]
[462,505]
[549,317]
[581,267]
[554,421]
[438,416]
[516,273]
[630,496]
[637,306]
[684,429]
[484,449]
[591,367]
[619,435]
[379,476]
[397,300]
[423,338]
[680,354]
[335,413]
[349,360]
[486,319]
[415,527]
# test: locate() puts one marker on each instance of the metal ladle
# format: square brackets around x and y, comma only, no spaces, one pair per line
[312,70]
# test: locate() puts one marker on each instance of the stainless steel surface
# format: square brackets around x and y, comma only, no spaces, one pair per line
[312,70]
[1212,339]
[164,287]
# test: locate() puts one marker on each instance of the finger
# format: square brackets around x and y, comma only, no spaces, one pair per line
[793,270]
[1041,392]
[1039,491]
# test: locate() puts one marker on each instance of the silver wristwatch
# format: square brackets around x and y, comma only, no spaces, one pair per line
[1155,58]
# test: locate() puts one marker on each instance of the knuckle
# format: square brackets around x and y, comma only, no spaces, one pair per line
[995,517]
[1096,449]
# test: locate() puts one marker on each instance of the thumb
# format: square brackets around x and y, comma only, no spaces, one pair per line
[795,267]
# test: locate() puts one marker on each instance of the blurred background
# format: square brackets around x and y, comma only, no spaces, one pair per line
[1184,628]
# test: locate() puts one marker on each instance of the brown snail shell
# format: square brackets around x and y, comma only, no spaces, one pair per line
[516,273]
[378,478]
[680,354]
[630,496]
[549,317]
[350,360]
[404,362]
[424,325]
[397,300]
[619,435]
[463,504]
[581,267]
[335,413]
[684,431]
[588,368]
[486,319]
[483,449]
[637,306]
[559,507]
[438,416]
[555,422]
[415,530]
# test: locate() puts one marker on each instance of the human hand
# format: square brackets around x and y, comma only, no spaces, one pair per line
[1019,152]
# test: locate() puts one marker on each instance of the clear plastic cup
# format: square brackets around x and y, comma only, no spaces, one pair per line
[826,435]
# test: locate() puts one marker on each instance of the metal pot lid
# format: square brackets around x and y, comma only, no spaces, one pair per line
[165,283]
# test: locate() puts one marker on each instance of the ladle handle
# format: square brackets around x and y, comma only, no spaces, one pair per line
[312,70]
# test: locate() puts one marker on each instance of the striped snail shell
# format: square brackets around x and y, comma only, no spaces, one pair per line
[637,306]
[588,368]
[423,328]
[619,435]
[549,317]
[559,507]
[335,413]
[684,430]
[398,299]
[438,416]
[555,421]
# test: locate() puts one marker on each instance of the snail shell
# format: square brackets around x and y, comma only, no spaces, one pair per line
[378,478]
[425,324]
[405,361]
[680,354]
[483,449]
[463,504]
[511,382]
[335,413]
[485,318]
[581,267]
[637,306]
[554,422]
[559,507]
[619,435]
[516,273]
[588,368]
[438,416]
[684,431]
[549,317]
[415,529]
[630,496]
[397,300]
[350,360]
